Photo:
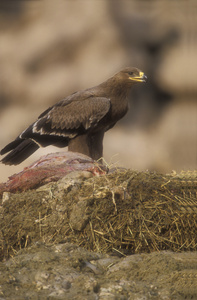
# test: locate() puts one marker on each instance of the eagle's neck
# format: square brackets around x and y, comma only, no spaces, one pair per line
[118,93]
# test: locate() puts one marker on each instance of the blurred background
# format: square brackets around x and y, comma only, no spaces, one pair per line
[49,49]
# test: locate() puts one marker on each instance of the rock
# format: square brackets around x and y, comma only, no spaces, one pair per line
[66,271]
[70,239]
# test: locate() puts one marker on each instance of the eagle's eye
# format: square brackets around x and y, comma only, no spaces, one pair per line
[130,73]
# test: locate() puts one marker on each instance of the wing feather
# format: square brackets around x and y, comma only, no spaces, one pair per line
[69,118]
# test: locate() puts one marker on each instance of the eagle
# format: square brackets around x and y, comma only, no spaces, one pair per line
[78,121]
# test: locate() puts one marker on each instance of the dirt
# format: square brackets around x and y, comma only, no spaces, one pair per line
[66,271]
[124,235]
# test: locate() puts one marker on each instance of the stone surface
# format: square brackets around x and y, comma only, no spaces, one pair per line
[65,271]
[42,232]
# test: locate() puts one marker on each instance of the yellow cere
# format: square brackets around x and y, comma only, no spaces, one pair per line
[138,78]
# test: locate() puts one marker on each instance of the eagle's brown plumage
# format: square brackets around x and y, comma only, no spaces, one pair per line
[79,121]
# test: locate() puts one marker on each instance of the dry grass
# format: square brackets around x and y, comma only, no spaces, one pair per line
[125,212]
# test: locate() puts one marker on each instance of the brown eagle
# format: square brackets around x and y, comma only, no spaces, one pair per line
[79,121]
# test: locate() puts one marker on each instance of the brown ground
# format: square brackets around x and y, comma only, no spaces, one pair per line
[124,214]
[65,271]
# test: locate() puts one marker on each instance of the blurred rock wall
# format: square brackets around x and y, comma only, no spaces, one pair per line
[49,49]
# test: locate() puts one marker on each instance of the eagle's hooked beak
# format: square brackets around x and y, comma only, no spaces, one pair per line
[141,78]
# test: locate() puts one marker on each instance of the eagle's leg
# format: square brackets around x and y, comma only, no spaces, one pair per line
[79,144]
[96,145]
[88,144]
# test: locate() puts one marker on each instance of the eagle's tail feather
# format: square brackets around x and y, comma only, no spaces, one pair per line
[11,146]
[20,150]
